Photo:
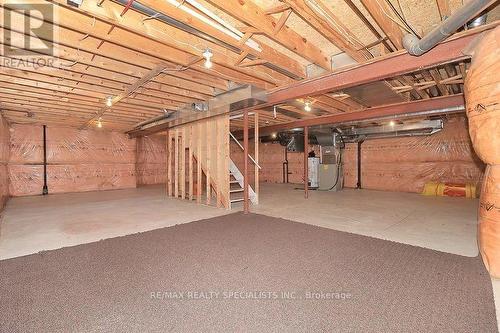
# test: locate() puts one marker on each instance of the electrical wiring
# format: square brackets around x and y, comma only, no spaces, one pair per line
[401,17]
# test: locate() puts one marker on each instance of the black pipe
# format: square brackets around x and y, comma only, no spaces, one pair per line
[358,184]
[45,190]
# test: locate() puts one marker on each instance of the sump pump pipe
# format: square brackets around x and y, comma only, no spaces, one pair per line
[417,47]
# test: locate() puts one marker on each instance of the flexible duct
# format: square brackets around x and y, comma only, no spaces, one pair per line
[482,93]
[417,47]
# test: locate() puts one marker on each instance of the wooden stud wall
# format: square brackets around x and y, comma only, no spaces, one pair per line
[201,147]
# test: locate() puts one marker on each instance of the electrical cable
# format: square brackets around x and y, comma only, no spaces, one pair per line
[401,17]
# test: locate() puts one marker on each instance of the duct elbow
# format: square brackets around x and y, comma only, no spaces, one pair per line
[412,44]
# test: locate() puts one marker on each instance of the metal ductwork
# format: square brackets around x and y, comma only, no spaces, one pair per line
[416,46]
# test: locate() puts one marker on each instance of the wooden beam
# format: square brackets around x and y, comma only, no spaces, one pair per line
[256,155]
[246,203]
[281,22]
[278,9]
[306,164]
[383,14]
[370,26]
[444,9]
[248,12]
[130,90]
[267,52]
[344,40]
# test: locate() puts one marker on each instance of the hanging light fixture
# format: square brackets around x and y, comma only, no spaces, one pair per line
[208,55]
[307,106]
[109,101]
[99,123]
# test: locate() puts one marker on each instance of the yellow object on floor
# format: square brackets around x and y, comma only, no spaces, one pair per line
[450,190]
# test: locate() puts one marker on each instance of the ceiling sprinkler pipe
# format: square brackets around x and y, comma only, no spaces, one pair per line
[417,47]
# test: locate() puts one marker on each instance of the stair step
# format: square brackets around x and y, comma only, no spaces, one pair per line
[236,191]
[237,200]
[234,182]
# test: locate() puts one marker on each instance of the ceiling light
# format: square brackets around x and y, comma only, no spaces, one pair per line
[392,123]
[109,101]
[208,55]
[99,123]
[307,106]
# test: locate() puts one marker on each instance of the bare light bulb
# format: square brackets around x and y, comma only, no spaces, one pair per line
[307,106]
[208,55]
[392,123]
[99,123]
[273,135]
[109,101]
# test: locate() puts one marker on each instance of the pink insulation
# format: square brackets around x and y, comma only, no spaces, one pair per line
[78,160]
[151,167]
[4,158]
[406,164]
[271,157]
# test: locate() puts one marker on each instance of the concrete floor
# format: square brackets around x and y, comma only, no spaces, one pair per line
[33,224]
[439,223]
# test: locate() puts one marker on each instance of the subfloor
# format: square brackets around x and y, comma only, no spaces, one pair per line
[33,224]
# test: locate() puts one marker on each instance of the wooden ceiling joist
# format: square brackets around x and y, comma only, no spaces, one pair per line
[344,40]
[383,14]
[181,46]
[267,53]
[249,13]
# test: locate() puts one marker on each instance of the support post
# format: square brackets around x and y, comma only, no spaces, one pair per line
[45,189]
[256,154]
[306,164]
[358,185]
[245,170]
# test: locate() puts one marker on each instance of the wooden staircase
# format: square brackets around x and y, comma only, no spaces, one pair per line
[236,182]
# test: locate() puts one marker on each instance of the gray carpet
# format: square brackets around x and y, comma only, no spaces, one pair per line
[265,275]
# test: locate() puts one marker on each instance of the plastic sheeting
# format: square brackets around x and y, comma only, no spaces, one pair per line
[151,167]
[405,164]
[77,160]
[271,158]
[4,158]
[482,92]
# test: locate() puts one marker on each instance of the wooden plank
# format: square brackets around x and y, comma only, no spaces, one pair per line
[249,13]
[268,53]
[380,11]
[246,203]
[444,9]
[344,40]
[190,146]
[183,163]
[176,163]
[218,159]
[169,163]
[198,163]
[256,154]
[208,142]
